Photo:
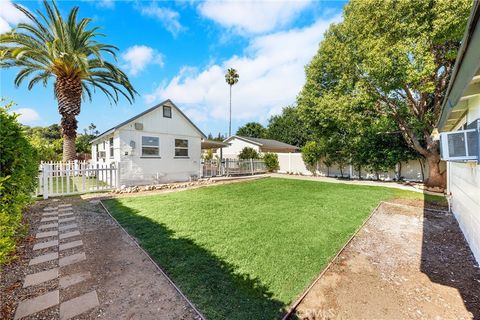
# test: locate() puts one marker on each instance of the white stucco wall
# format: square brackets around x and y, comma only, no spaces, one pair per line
[136,169]
[464,187]
[236,146]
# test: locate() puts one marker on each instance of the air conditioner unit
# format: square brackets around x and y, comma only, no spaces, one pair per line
[102,154]
[138,126]
[462,145]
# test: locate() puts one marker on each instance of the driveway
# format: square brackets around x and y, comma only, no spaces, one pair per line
[407,262]
[78,263]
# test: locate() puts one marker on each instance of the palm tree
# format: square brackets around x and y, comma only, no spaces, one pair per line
[51,47]
[231,77]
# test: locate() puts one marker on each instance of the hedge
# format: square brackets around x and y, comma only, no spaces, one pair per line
[18,172]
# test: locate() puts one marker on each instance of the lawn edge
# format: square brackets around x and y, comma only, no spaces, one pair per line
[155,264]
[294,306]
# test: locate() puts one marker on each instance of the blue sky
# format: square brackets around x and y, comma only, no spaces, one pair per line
[180,50]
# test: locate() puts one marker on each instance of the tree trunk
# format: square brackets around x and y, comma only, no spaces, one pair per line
[436,178]
[230,116]
[69,94]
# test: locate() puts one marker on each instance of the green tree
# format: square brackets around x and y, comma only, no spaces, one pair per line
[248,153]
[252,129]
[231,77]
[288,127]
[52,47]
[311,154]
[396,58]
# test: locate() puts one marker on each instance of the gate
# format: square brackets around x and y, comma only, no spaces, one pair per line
[75,177]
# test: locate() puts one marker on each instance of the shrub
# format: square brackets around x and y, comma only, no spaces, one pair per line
[271,161]
[248,153]
[18,173]
[311,154]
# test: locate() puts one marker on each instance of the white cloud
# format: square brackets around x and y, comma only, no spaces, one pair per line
[168,17]
[27,115]
[271,75]
[10,16]
[252,17]
[138,57]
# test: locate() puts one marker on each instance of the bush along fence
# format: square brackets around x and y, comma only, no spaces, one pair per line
[75,177]
[18,166]
[413,170]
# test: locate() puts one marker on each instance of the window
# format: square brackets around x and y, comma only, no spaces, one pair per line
[150,146]
[167,112]
[181,148]
[111,147]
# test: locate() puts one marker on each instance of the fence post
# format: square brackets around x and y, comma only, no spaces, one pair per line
[117,174]
[45,181]
[289,162]
[251,166]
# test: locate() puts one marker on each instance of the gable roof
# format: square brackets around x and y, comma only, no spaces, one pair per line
[166,102]
[266,143]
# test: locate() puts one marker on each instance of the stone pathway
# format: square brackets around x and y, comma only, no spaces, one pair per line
[56,234]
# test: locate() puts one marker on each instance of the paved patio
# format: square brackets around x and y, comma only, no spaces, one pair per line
[84,266]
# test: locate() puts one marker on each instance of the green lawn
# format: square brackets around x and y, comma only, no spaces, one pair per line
[247,250]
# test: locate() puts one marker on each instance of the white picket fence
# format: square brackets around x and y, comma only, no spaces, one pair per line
[75,177]
[232,167]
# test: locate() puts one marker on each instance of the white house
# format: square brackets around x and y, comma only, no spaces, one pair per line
[237,143]
[158,145]
[460,127]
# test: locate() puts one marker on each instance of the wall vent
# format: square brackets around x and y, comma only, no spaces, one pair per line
[138,126]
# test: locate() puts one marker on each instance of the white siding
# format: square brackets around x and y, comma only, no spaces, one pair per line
[236,146]
[136,169]
[464,187]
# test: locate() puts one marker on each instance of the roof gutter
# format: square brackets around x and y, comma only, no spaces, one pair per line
[462,73]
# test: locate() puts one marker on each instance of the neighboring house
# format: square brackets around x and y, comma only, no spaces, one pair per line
[158,145]
[237,143]
[460,142]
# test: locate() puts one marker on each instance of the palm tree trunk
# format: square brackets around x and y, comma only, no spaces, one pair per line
[69,94]
[230,118]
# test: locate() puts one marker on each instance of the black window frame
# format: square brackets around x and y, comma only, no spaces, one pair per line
[180,148]
[169,113]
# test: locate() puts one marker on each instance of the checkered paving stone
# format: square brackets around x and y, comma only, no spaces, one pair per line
[46,244]
[68,226]
[48,226]
[69,234]
[70,308]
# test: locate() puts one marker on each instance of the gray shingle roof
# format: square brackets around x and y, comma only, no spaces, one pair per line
[266,143]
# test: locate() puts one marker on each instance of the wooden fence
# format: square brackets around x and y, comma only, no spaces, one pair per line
[75,177]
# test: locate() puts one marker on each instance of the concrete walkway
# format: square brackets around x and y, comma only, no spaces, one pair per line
[386,184]
[85,267]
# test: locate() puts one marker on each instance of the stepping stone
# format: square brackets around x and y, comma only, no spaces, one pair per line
[68,226]
[49,219]
[70,245]
[65,210]
[48,226]
[31,306]
[74,258]
[47,214]
[46,234]
[65,205]
[49,208]
[78,305]
[47,244]
[66,220]
[43,258]
[40,277]
[66,214]
[69,234]
[75,278]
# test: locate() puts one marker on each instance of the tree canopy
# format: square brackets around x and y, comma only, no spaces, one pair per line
[253,130]
[388,60]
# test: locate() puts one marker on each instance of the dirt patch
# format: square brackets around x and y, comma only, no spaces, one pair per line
[128,284]
[409,261]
